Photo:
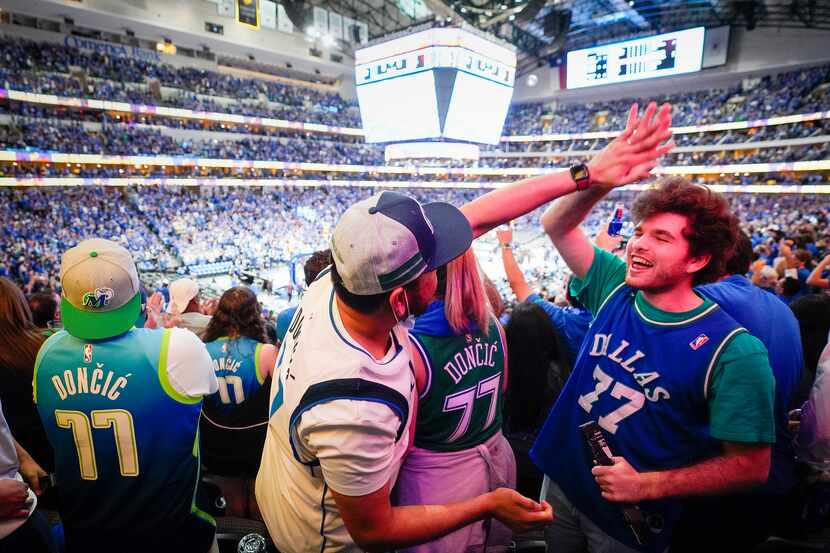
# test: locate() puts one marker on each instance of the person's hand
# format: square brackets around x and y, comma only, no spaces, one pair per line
[31,473]
[155,302]
[518,512]
[13,497]
[505,236]
[209,306]
[605,241]
[633,154]
[620,482]
[172,321]
[826,260]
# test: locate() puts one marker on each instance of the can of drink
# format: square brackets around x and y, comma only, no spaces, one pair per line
[616,223]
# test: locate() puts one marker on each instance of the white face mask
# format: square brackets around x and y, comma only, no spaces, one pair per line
[409,321]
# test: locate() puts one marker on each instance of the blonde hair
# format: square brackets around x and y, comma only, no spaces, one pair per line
[465,298]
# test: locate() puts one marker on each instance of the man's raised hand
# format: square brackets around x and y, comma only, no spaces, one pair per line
[634,153]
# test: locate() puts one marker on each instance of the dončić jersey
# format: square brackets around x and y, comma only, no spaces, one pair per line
[461,404]
[236,364]
[126,442]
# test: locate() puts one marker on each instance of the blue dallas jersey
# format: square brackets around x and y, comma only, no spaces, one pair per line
[236,364]
[645,383]
[126,443]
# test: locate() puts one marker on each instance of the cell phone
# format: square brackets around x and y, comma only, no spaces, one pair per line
[46,482]
[601,453]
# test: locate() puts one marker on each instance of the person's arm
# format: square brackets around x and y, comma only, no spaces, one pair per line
[514,274]
[561,221]
[626,159]
[266,360]
[812,427]
[29,469]
[190,373]
[354,443]
[815,278]
[375,525]
[741,466]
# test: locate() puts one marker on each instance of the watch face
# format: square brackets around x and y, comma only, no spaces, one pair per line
[579,172]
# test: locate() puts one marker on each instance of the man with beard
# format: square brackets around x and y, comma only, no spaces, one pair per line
[681,392]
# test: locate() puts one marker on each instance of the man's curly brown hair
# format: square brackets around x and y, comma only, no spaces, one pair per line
[238,314]
[712,229]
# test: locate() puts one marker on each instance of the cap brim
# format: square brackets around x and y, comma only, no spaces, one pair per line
[105,324]
[453,234]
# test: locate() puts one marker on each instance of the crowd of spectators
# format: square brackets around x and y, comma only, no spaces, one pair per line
[45,67]
[262,228]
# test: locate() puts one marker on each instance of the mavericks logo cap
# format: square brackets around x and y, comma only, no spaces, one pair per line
[101,295]
[389,240]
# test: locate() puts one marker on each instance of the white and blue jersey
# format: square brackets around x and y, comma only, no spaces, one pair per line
[236,364]
[645,383]
[126,442]
[339,420]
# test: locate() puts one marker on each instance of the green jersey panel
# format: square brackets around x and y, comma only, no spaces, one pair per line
[461,406]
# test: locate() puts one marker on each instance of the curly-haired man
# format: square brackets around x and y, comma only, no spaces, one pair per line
[682,393]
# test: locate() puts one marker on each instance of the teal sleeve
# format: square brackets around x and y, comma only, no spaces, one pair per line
[606,273]
[741,393]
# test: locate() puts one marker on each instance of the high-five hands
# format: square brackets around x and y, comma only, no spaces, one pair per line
[634,153]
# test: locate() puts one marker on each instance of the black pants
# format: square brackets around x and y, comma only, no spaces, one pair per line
[732,523]
[35,536]
[195,535]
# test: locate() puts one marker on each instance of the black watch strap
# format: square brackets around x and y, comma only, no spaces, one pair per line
[581,176]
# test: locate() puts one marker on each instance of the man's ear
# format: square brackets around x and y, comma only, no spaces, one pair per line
[397,302]
[697,263]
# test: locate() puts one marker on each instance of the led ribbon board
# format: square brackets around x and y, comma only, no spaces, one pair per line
[633,60]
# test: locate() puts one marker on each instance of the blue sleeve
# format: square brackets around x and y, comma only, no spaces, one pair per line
[554,313]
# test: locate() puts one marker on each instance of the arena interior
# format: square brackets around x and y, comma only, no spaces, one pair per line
[221,141]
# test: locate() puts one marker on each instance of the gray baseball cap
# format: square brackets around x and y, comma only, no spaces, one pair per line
[389,240]
[101,295]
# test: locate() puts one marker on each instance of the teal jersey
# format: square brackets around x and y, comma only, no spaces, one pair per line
[126,442]
[461,405]
[236,364]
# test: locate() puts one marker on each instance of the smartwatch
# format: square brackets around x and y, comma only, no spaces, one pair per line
[580,175]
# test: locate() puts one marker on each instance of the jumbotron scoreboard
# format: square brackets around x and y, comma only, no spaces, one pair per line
[440,83]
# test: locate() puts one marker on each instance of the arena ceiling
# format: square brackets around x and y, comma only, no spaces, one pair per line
[543,28]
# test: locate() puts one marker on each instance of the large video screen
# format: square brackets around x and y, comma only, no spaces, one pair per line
[633,60]
[437,83]
[478,108]
[384,120]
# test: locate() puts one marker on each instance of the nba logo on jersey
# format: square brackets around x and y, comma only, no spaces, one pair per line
[698,342]
[87,353]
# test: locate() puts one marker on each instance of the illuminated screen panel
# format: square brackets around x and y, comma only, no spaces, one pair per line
[477,109]
[633,60]
[401,108]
